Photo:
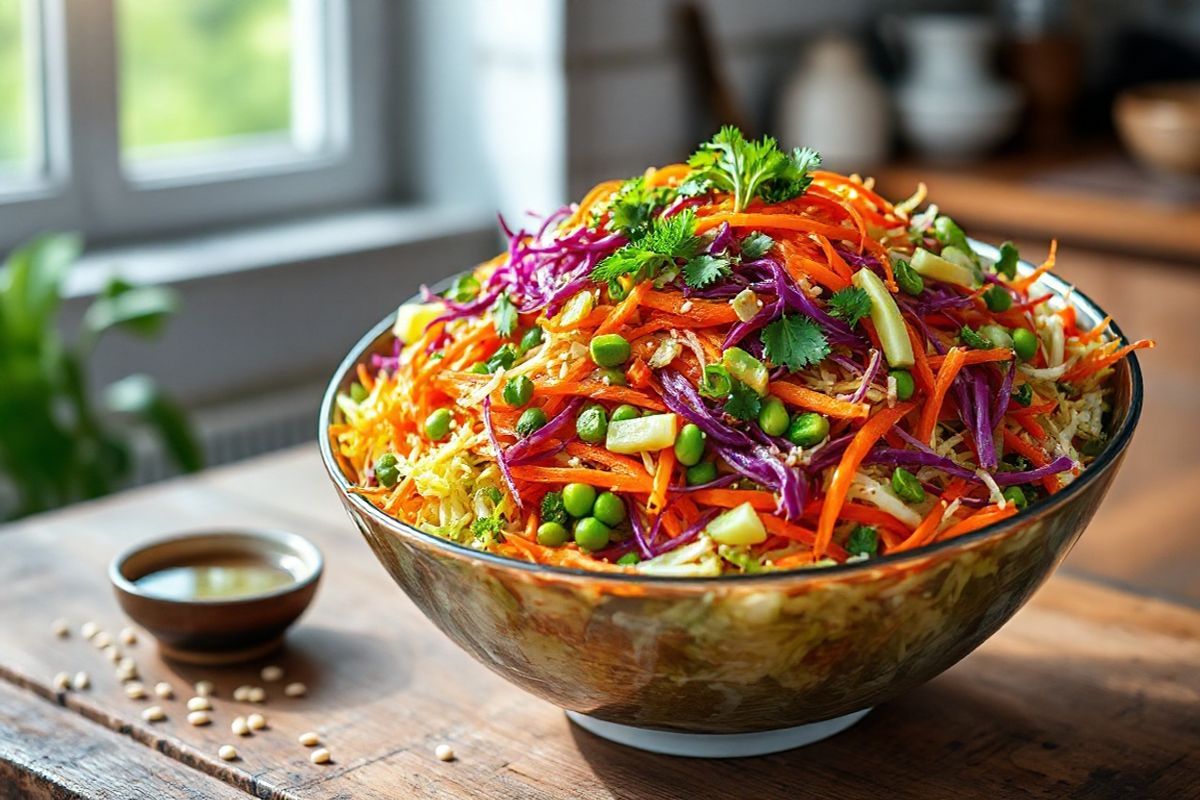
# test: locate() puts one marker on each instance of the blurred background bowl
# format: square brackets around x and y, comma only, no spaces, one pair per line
[737,654]
[1160,125]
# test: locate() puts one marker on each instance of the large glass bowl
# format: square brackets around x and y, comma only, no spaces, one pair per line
[745,653]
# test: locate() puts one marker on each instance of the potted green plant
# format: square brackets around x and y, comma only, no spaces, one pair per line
[58,445]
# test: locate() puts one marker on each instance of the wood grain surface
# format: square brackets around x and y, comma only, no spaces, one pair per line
[1088,692]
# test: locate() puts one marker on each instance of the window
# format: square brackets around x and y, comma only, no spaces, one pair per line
[133,117]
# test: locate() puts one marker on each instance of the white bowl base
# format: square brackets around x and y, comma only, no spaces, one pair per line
[716,745]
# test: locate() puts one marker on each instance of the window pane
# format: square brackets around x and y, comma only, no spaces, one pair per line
[18,94]
[203,74]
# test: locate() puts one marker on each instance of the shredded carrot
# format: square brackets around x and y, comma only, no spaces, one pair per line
[594,477]
[974,357]
[1091,366]
[810,400]
[730,498]
[933,406]
[625,309]
[779,222]
[921,372]
[1023,284]
[603,391]
[662,480]
[980,519]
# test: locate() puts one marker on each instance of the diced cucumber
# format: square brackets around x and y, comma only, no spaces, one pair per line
[885,314]
[939,269]
[747,369]
[578,307]
[643,434]
[739,525]
[413,318]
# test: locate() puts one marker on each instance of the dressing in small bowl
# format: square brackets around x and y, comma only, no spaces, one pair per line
[218,597]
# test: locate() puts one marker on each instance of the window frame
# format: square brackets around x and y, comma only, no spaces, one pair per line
[85,185]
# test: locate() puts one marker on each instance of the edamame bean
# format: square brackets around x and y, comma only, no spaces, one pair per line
[808,429]
[592,534]
[704,472]
[609,509]
[609,350]
[518,391]
[689,445]
[625,412]
[629,559]
[579,499]
[773,418]
[551,534]
[437,424]
[1016,496]
[592,424]
[1025,343]
[531,419]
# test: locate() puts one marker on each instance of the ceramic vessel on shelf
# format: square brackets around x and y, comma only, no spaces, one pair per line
[1160,125]
[834,104]
[949,106]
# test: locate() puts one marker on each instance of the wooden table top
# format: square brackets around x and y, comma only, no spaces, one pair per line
[1091,691]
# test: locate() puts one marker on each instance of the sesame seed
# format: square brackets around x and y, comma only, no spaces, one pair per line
[320,756]
[271,673]
[135,690]
[114,653]
[684,308]
[444,752]
[296,689]
[227,752]
[309,739]
[153,714]
[241,694]
[164,690]
[128,636]
[204,688]
[102,639]
[81,681]
[126,671]
[62,681]
[256,722]
[60,628]
[239,726]
[256,694]
[88,629]
[199,718]
[199,704]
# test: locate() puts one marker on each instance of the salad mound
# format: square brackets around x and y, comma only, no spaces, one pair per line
[734,365]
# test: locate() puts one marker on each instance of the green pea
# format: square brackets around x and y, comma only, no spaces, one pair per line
[518,391]
[609,350]
[864,540]
[531,419]
[579,499]
[358,392]
[904,384]
[551,534]
[629,559]
[592,424]
[907,278]
[609,509]
[464,288]
[437,424]
[1014,495]
[1025,343]
[808,429]
[704,472]
[906,486]
[773,418]
[614,376]
[624,412]
[689,445]
[996,299]
[531,339]
[387,471]
[592,534]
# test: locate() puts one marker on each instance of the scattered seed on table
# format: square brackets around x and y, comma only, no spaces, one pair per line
[256,695]
[114,653]
[88,629]
[102,639]
[271,673]
[239,726]
[60,628]
[227,752]
[444,752]
[319,756]
[62,681]
[199,704]
[126,670]
[81,681]
[241,694]
[153,714]
[296,689]
[309,739]
[199,718]
[204,688]
[134,690]
[164,690]
[256,722]
[128,636]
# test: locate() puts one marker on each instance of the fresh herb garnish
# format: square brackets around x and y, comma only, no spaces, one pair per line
[635,206]
[794,342]
[747,168]
[743,402]
[666,240]
[907,278]
[755,246]
[1006,265]
[504,315]
[706,269]
[850,304]
[1023,395]
[501,359]
[972,338]
[489,529]
[863,541]
[553,509]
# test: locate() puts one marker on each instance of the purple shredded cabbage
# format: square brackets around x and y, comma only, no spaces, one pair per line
[868,377]
[723,241]
[543,435]
[919,458]
[985,440]
[500,460]
[1060,464]
[1002,399]
[685,537]
[639,529]
[719,482]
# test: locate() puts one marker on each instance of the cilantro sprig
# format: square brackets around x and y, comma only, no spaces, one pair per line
[504,315]
[730,162]
[706,269]
[635,207]
[850,304]
[743,402]
[795,342]
[665,241]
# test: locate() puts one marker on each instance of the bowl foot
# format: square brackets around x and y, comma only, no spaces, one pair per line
[716,745]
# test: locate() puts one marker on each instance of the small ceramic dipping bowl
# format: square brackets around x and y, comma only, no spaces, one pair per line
[217,597]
